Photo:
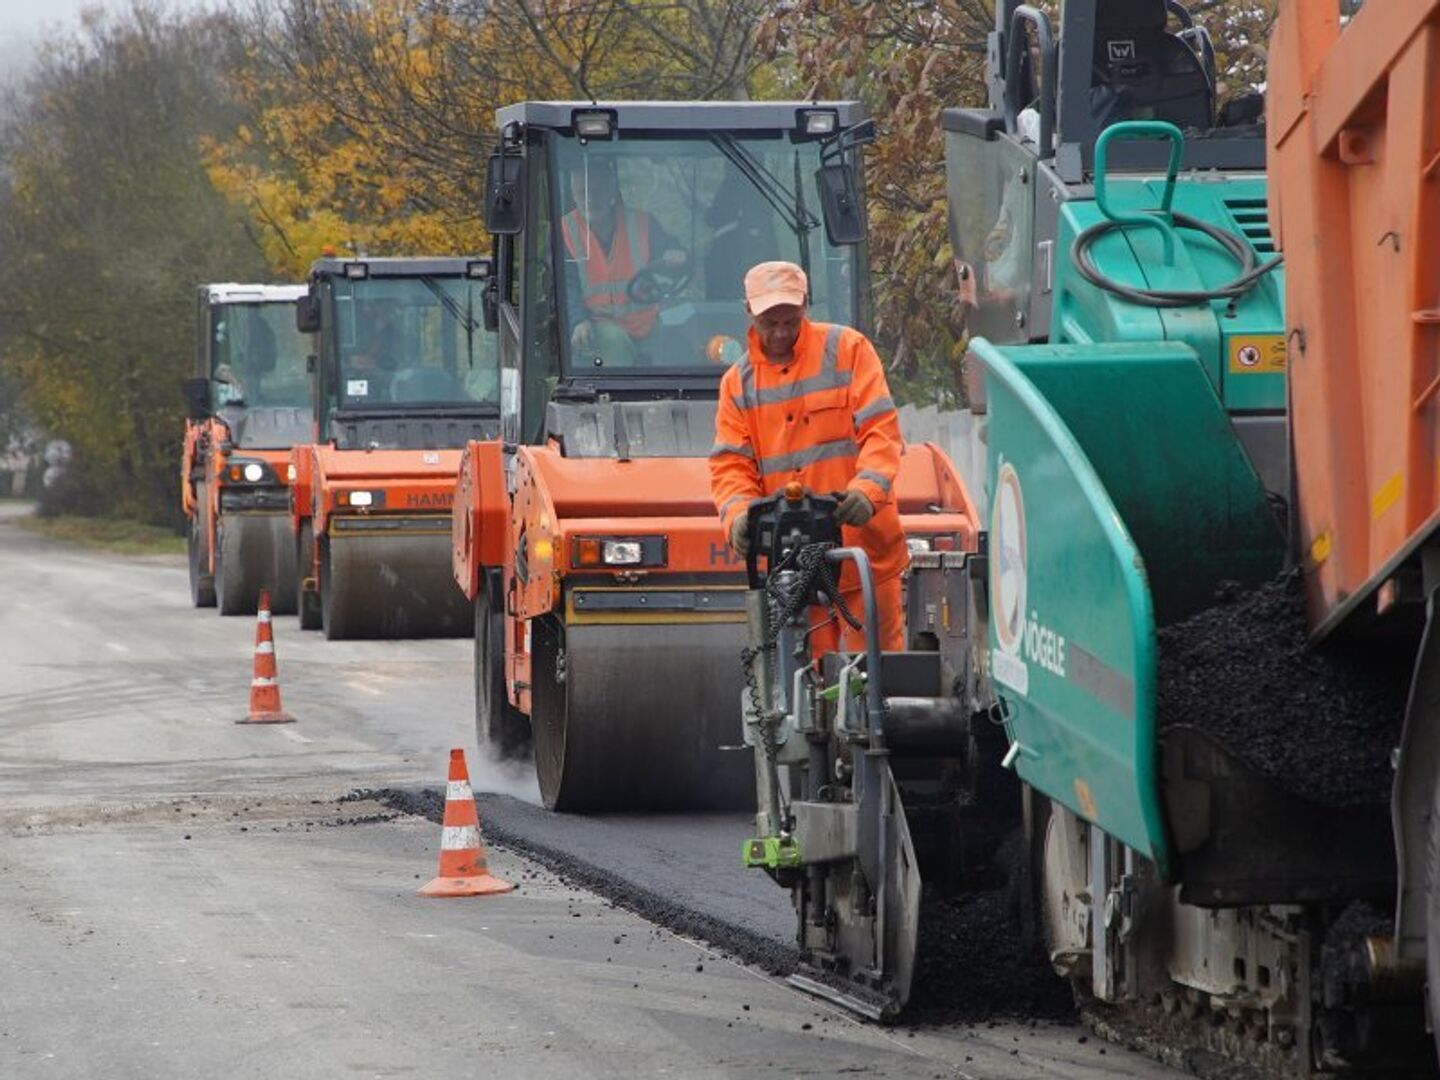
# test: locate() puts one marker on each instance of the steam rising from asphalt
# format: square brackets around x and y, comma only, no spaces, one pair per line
[515,777]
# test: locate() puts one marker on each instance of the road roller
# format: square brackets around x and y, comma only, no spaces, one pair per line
[1176,708]
[249,403]
[608,609]
[403,375]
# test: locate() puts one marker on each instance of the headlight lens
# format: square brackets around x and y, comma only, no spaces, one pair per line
[361,498]
[917,544]
[254,472]
[621,553]
[602,551]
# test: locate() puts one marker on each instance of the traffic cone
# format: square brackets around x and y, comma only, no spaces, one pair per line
[462,858]
[265,684]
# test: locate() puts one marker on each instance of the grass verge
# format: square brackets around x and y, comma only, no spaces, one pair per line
[107,534]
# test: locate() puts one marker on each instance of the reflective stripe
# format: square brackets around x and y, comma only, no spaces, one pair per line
[458,790]
[459,838]
[799,458]
[725,506]
[260,680]
[263,615]
[746,374]
[829,377]
[264,647]
[879,480]
[825,380]
[878,407]
[726,448]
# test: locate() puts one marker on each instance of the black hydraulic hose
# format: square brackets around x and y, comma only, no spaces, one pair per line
[1238,248]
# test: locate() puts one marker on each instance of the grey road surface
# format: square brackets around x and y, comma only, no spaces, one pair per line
[181,896]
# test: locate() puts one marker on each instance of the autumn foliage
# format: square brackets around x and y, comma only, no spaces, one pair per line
[150,152]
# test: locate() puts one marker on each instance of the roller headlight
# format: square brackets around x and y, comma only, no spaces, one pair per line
[595,552]
[254,472]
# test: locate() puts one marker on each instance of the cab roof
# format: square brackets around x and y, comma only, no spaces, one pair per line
[231,292]
[420,266]
[680,117]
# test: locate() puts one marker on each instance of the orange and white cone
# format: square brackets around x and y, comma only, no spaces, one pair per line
[462,858]
[265,683]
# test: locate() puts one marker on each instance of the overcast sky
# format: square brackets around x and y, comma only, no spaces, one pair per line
[24,22]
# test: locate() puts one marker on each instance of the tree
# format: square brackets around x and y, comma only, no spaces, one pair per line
[109,221]
[370,122]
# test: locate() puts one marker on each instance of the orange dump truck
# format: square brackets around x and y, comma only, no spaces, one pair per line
[403,376]
[1354,129]
[249,403]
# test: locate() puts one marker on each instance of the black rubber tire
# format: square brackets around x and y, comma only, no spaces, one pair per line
[548,705]
[501,730]
[202,583]
[1432,913]
[334,625]
[307,601]
[237,588]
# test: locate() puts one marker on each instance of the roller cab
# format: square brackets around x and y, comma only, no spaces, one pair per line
[249,404]
[404,375]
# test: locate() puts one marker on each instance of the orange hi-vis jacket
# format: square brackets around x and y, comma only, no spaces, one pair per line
[825,419]
[605,276]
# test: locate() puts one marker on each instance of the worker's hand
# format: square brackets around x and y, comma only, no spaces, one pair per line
[582,334]
[740,535]
[854,509]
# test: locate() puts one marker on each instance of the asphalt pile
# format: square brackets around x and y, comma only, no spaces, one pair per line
[980,958]
[1318,720]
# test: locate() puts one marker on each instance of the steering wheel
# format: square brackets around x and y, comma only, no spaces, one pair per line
[656,283]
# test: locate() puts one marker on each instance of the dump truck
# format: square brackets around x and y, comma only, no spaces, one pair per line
[1196,631]
[249,404]
[403,375]
[607,605]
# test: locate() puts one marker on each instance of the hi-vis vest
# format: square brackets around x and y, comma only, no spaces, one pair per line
[825,418]
[603,277]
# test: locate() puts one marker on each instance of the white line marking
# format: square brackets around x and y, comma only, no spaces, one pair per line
[116,646]
[291,733]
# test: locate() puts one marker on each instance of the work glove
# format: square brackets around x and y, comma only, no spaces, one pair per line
[740,535]
[854,509]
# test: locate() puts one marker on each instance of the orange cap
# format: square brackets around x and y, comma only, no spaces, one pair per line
[773,283]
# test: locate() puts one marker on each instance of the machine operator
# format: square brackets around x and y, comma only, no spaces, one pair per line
[607,243]
[809,402]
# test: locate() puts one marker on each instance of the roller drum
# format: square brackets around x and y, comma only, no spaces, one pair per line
[391,586]
[633,717]
[254,552]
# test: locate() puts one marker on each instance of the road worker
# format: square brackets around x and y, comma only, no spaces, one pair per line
[809,402]
[607,244]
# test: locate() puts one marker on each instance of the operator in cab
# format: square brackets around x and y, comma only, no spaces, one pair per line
[607,244]
[809,402]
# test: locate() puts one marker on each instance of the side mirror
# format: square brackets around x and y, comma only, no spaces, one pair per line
[505,195]
[197,397]
[840,203]
[490,304]
[307,314]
